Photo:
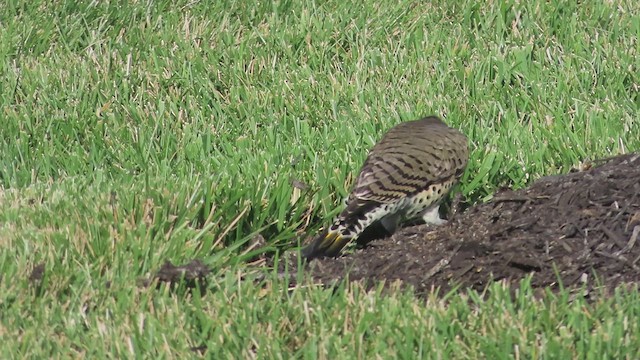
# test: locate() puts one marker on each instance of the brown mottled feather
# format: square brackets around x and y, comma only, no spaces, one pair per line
[410,157]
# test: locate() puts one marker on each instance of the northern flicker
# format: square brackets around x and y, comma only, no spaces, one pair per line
[405,176]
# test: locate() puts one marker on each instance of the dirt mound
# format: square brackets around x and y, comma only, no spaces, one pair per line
[569,227]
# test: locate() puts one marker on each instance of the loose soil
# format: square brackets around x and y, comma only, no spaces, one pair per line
[580,229]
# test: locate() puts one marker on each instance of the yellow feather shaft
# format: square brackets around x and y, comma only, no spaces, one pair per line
[327,244]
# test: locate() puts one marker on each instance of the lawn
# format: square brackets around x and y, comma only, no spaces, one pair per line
[134,133]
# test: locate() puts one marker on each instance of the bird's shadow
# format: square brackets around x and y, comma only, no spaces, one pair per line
[371,233]
[377,231]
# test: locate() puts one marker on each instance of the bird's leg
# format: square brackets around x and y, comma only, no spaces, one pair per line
[431,215]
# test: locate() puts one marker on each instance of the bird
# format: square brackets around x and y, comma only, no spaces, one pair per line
[405,176]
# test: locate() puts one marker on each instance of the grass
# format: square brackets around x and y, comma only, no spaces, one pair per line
[138,132]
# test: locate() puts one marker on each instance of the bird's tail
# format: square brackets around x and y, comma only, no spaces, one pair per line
[328,243]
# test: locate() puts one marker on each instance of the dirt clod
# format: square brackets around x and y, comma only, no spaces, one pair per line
[193,273]
[202,349]
[37,273]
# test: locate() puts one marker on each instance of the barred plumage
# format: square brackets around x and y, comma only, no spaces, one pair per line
[406,175]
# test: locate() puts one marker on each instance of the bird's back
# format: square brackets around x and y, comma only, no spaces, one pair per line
[410,157]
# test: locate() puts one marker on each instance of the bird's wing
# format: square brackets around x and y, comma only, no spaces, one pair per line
[406,167]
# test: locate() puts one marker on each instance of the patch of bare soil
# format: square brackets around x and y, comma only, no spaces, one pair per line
[37,273]
[192,274]
[572,228]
